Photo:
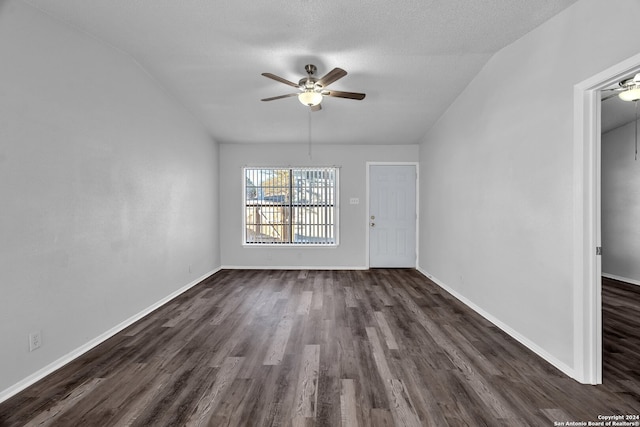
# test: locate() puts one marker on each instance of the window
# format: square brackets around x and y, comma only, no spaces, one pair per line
[295,206]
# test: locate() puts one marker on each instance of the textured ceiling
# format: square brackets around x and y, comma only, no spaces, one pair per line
[412,58]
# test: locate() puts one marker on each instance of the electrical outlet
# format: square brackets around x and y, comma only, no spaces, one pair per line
[35,340]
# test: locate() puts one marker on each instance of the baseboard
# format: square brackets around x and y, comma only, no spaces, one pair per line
[566,369]
[621,279]
[36,376]
[291,267]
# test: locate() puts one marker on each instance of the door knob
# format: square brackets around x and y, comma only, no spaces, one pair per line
[373,224]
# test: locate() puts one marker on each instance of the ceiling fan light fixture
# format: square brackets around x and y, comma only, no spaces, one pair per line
[310,98]
[631,94]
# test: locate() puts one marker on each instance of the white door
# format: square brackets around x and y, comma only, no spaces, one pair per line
[392,216]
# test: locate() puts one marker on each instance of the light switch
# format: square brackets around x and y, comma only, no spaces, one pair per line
[354,201]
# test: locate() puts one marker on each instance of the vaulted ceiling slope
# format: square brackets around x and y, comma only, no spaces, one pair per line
[412,58]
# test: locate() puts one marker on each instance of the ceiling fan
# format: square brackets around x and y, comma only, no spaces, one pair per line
[312,89]
[628,90]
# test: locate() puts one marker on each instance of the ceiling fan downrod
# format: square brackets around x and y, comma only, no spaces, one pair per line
[310,69]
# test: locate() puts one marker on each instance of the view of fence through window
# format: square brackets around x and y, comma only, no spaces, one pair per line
[290,206]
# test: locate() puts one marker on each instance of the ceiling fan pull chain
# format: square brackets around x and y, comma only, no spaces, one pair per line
[309,135]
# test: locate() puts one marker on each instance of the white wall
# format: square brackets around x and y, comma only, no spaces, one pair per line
[621,204]
[497,169]
[352,159]
[108,189]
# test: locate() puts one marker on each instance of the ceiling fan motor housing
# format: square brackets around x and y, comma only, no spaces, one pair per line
[309,83]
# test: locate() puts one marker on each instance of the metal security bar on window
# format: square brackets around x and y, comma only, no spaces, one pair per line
[290,206]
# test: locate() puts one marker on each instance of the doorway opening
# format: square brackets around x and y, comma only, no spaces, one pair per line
[587,220]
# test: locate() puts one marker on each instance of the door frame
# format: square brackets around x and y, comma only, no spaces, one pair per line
[368,169]
[587,266]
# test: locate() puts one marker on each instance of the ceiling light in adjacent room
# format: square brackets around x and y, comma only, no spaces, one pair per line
[631,90]
[631,94]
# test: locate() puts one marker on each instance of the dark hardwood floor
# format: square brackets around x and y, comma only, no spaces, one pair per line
[328,348]
[621,335]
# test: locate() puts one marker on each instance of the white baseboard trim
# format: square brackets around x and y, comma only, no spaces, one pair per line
[566,369]
[621,279]
[38,375]
[292,267]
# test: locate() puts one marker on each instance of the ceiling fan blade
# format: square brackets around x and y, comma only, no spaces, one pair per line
[279,97]
[332,76]
[280,79]
[340,94]
[316,107]
[608,97]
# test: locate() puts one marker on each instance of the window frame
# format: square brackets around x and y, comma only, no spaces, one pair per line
[335,207]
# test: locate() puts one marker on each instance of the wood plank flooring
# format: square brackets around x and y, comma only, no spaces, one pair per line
[621,334]
[327,348]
